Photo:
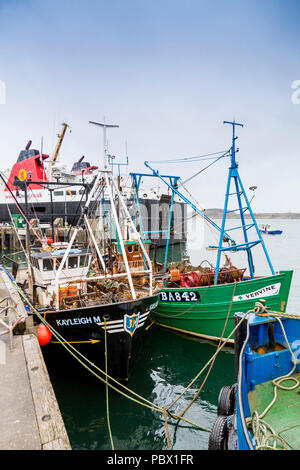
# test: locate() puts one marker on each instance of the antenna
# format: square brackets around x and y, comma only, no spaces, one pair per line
[104,127]
[233,151]
[243,206]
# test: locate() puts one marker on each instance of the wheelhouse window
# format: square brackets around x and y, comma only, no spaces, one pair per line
[73,262]
[35,263]
[47,265]
[58,193]
[84,261]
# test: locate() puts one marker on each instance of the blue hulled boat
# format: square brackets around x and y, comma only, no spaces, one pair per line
[261,411]
[266,230]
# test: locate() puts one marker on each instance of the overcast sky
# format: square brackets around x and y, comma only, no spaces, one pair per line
[169,72]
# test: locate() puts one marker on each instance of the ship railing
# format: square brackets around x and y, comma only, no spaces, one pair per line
[134,266]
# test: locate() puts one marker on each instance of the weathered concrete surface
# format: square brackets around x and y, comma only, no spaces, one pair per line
[18,424]
[30,418]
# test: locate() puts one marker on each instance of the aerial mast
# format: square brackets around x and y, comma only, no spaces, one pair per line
[104,127]
[243,206]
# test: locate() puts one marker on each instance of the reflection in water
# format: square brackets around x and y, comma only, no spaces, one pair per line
[166,366]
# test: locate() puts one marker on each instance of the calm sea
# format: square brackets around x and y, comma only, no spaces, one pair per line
[167,364]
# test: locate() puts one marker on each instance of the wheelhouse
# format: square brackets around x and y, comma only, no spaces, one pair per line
[45,264]
[134,255]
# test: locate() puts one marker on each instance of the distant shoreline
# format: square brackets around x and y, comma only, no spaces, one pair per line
[218,213]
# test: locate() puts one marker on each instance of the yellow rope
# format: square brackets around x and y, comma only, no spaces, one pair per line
[149,326]
[212,363]
[69,347]
[167,429]
[219,348]
[259,426]
[106,386]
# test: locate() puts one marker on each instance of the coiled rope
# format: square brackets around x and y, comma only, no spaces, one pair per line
[259,426]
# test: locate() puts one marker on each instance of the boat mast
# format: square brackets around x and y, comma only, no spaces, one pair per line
[243,206]
[108,174]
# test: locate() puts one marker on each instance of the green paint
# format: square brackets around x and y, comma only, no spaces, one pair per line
[207,316]
[284,415]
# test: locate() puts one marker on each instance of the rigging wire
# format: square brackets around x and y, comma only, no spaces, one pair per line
[208,156]
[205,168]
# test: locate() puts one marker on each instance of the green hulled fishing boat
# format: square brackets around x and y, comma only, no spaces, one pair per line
[202,311]
[202,302]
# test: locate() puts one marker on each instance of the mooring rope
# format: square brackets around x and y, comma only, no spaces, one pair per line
[259,426]
[106,386]
[219,348]
[70,348]
[167,429]
[212,363]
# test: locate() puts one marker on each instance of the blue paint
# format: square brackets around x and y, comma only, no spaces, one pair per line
[243,206]
[260,368]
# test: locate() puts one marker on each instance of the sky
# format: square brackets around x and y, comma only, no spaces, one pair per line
[168,72]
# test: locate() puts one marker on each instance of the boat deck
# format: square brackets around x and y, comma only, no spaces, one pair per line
[284,415]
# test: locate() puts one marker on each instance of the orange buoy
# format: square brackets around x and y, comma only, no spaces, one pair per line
[44,335]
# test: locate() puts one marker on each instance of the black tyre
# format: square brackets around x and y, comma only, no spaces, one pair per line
[219,434]
[226,400]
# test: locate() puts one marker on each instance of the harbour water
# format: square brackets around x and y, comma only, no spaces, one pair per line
[167,364]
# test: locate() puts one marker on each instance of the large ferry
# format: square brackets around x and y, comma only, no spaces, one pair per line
[64,201]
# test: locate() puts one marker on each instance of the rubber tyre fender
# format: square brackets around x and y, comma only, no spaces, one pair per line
[219,434]
[226,400]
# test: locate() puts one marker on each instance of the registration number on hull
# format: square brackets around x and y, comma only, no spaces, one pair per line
[177,296]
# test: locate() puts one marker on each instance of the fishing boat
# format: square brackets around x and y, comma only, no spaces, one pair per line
[266,230]
[202,300]
[261,411]
[96,300]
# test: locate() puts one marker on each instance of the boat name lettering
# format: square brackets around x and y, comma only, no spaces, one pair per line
[177,296]
[153,306]
[78,321]
[273,289]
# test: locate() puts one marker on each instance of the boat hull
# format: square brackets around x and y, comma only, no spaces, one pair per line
[271,232]
[202,311]
[84,328]
[261,410]
[155,216]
